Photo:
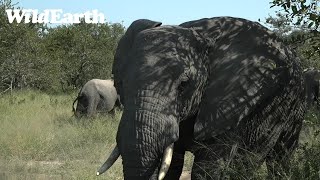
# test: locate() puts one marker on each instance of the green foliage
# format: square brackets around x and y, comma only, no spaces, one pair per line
[57,58]
[306,164]
[20,52]
[280,24]
[301,12]
[306,161]
[307,46]
[299,37]
[298,23]
[83,51]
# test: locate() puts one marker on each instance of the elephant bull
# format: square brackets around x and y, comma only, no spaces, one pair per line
[96,96]
[218,87]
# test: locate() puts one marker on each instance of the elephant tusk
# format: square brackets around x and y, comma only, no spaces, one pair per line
[73,109]
[166,161]
[110,161]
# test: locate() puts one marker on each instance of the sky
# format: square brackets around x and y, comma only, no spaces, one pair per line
[169,12]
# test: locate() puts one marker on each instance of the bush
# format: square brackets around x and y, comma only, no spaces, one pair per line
[57,58]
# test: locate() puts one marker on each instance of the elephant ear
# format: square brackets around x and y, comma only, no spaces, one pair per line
[239,90]
[125,43]
[124,47]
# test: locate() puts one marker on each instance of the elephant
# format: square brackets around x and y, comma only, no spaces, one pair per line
[96,96]
[220,87]
[312,78]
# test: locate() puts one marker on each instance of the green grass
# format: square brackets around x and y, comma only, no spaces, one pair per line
[40,139]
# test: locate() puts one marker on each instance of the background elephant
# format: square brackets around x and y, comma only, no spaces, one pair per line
[312,77]
[218,87]
[96,96]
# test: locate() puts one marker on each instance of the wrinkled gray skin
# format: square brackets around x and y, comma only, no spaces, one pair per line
[217,87]
[96,96]
[312,77]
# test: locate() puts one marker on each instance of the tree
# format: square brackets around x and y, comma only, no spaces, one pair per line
[299,37]
[300,19]
[20,51]
[301,11]
[83,51]
[54,58]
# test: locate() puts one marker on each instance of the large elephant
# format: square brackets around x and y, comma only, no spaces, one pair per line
[218,87]
[96,96]
[312,78]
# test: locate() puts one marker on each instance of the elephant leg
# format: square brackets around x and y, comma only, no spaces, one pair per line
[205,165]
[223,160]
[184,143]
[112,112]
[177,162]
[278,159]
[211,161]
[277,163]
[92,107]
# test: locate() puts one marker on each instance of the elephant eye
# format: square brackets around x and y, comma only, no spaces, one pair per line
[183,86]
[184,81]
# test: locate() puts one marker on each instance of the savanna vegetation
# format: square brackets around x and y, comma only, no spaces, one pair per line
[42,67]
[40,139]
[54,58]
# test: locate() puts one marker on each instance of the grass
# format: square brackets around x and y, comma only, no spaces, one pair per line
[40,139]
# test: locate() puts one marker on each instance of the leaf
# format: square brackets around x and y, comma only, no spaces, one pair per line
[288,4]
[313,16]
[285,8]
[310,24]
[294,9]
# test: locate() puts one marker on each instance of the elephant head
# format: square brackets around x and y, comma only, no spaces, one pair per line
[153,109]
[312,78]
[168,75]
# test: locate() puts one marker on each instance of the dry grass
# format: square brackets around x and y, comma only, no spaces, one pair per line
[40,138]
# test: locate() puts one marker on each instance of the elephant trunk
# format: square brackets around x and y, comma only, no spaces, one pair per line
[144,133]
[139,145]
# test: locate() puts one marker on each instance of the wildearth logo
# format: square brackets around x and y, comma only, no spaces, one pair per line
[53,16]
